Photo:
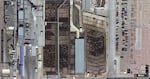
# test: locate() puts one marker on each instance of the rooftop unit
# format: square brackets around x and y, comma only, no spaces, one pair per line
[97,7]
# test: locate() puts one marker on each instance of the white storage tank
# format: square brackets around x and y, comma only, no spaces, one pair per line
[6,71]
[20,32]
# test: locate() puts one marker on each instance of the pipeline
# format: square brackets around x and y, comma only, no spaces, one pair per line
[58,67]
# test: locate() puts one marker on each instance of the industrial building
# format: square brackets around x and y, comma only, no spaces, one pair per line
[73,43]
[74,39]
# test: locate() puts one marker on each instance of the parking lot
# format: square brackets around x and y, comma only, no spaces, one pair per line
[138,55]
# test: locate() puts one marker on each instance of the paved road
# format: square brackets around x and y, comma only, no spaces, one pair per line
[111,32]
[29,67]
[30,61]
[35,32]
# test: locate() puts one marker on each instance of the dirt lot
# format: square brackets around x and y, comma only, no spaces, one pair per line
[1,19]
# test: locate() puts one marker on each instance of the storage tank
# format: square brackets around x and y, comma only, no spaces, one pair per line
[6,71]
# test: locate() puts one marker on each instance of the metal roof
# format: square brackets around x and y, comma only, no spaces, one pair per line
[79,56]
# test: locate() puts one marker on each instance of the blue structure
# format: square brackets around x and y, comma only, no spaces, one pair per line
[79,56]
[21,60]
